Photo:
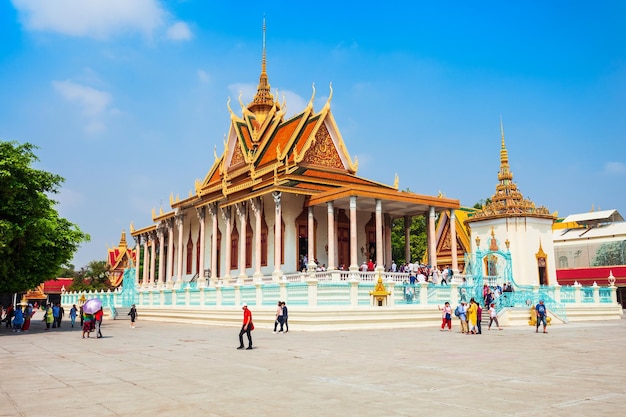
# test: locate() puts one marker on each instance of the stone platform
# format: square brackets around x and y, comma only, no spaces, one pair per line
[175,369]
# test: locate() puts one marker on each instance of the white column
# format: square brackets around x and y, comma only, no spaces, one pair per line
[387,238]
[161,237]
[277,235]
[354,265]
[241,213]
[407,239]
[226,215]
[255,205]
[331,236]
[213,212]
[432,241]
[179,269]
[170,253]
[311,240]
[201,217]
[137,260]
[453,248]
[379,235]
[152,258]
[146,264]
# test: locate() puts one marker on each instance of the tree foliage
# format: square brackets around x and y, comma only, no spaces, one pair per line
[34,240]
[95,277]
[482,203]
[610,253]
[418,240]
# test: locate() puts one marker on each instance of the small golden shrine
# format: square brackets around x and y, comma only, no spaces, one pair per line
[380,293]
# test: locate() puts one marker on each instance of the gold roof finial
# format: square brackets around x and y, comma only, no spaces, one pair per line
[263,100]
[123,240]
[504,155]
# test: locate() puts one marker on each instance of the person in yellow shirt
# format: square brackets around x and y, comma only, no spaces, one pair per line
[472,317]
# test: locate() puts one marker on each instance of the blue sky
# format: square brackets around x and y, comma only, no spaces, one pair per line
[127,100]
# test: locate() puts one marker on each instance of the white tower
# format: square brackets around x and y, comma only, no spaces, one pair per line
[511,220]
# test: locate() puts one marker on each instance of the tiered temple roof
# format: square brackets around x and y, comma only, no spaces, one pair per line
[508,201]
[305,155]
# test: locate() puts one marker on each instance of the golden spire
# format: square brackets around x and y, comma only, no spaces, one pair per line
[263,99]
[508,200]
[123,240]
[504,155]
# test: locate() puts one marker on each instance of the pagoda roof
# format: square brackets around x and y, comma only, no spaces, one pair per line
[305,154]
[508,201]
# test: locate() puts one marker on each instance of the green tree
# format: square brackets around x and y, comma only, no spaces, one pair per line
[610,253]
[66,271]
[418,240]
[34,240]
[482,203]
[94,277]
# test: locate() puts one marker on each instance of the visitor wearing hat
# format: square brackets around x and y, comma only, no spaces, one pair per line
[246,328]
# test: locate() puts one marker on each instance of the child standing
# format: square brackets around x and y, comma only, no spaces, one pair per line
[493,316]
[446,316]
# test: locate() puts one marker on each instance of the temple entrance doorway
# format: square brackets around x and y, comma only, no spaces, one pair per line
[541,269]
[303,247]
[343,240]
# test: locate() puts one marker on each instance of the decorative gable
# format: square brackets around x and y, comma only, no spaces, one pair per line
[323,152]
[237,155]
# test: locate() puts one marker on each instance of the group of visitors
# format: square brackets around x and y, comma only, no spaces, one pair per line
[470,316]
[17,318]
[282,320]
[424,273]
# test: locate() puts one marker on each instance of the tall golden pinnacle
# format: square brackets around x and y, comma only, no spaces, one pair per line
[263,99]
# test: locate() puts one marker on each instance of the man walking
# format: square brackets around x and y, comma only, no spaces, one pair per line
[98,317]
[61,314]
[246,328]
[285,317]
[56,310]
[540,309]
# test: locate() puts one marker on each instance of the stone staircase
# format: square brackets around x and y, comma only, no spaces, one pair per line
[122,313]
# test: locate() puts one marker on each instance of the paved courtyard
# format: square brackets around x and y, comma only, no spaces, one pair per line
[192,370]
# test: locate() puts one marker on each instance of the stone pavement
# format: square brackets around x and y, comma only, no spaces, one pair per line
[161,369]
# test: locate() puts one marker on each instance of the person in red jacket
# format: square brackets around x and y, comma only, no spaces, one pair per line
[98,317]
[246,328]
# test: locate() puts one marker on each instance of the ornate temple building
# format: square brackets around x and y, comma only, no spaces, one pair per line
[118,259]
[284,195]
[451,233]
[511,225]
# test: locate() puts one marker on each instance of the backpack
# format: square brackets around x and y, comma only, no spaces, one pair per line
[457,311]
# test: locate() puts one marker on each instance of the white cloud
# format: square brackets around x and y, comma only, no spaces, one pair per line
[203,76]
[93,18]
[614,168]
[179,31]
[94,103]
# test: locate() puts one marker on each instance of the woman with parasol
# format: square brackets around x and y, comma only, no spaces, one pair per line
[90,307]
